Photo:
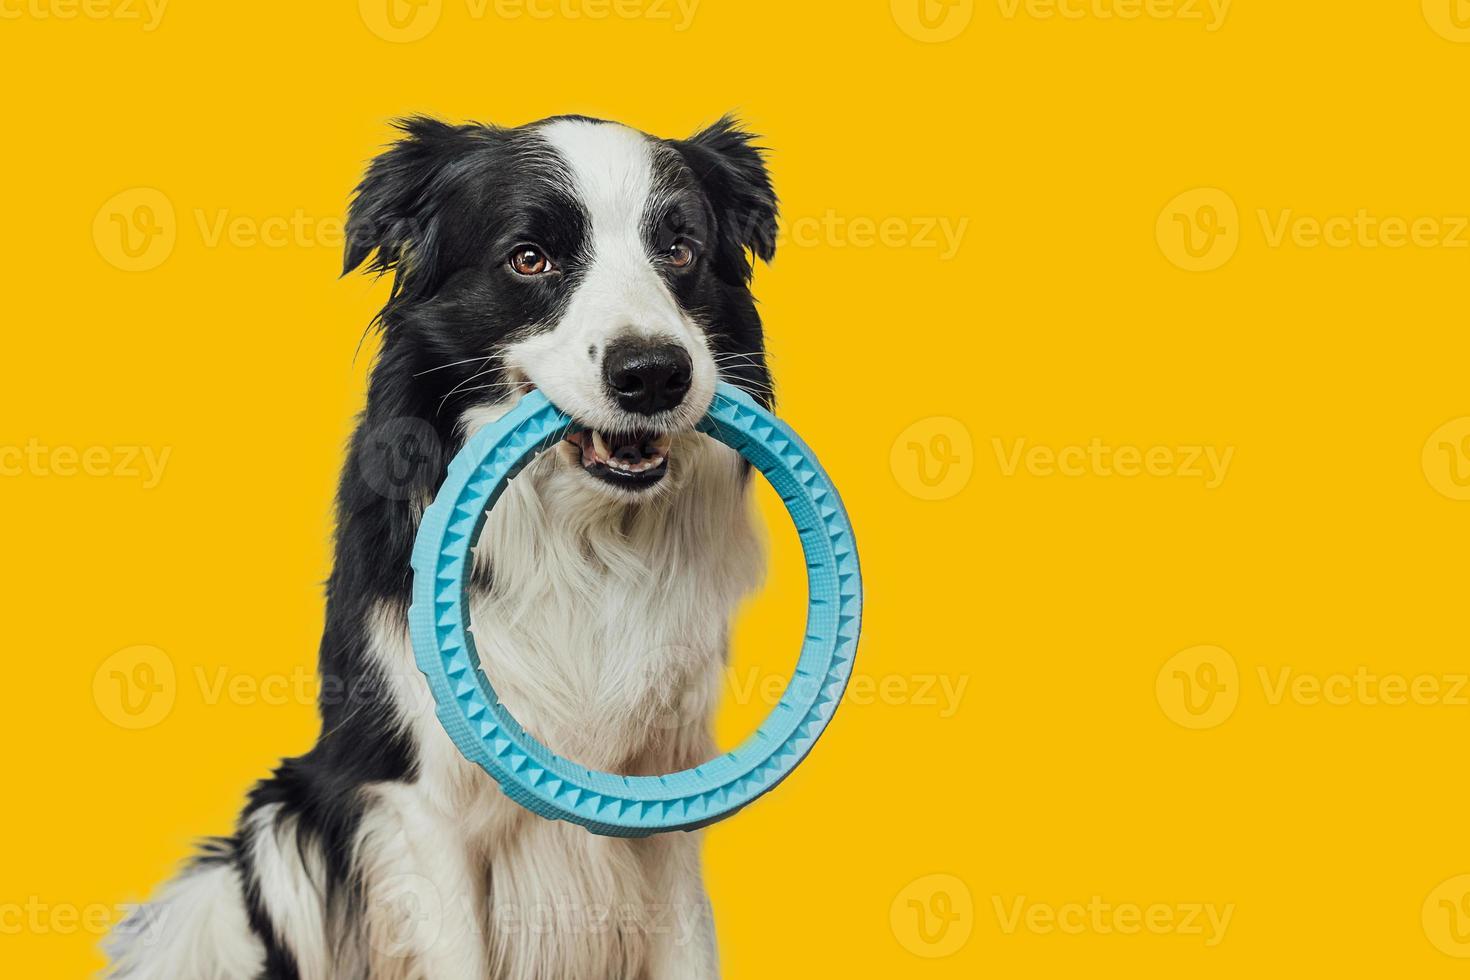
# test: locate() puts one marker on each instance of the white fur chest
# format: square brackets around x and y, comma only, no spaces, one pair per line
[605,625]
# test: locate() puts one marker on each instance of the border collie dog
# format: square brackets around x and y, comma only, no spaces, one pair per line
[610,269]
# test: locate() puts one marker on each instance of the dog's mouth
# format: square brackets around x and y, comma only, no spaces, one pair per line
[628,460]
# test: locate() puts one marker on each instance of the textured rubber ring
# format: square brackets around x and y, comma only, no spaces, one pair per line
[604,803]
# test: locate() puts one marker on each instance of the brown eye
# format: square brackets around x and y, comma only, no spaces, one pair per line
[528,260]
[681,253]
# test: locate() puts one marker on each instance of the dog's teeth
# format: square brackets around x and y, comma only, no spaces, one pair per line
[651,452]
[627,466]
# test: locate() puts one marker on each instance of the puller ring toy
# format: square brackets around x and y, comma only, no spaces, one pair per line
[604,803]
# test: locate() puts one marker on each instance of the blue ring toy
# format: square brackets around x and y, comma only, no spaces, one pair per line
[604,803]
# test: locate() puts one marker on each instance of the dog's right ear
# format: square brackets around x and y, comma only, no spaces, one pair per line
[396,212]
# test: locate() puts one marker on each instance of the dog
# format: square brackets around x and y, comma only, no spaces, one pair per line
[610,269]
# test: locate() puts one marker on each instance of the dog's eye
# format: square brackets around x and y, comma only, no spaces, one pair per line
[681,253]
[528,260]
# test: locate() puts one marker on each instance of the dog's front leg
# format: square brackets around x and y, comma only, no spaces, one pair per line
[422,896]
[681,925]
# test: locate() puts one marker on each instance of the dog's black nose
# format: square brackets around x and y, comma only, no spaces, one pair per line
[647,378]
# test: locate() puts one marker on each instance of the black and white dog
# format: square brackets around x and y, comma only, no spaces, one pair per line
[611,269]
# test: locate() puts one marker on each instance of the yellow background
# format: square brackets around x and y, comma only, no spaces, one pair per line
[1074,150]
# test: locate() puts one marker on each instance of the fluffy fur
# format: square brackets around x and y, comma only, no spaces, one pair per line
[600,603]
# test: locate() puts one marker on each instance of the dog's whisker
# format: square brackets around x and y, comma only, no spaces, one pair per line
[750,385]
[747,382]
[479,374]
[466,391]
[460,388]
[451,364]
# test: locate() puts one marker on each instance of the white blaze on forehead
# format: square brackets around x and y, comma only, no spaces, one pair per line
[612,175]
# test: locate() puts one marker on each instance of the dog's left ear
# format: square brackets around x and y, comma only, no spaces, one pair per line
[732,171]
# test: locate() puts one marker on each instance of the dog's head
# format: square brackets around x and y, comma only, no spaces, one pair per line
[609,268]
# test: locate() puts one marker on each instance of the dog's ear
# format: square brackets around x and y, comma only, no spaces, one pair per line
[397,210]
[732,171]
